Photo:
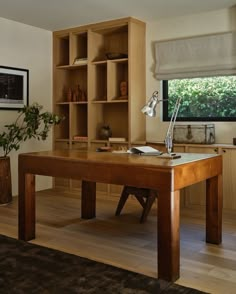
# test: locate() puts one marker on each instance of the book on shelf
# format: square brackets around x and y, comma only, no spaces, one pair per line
[117,139]
[144,150]
[80,61]
[80,138]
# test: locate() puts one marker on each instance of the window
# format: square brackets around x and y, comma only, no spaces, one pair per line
[203,99]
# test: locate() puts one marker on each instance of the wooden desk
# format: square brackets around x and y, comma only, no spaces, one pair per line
[166,176]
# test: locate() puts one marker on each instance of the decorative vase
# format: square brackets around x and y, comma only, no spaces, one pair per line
[105,132]
[5,181]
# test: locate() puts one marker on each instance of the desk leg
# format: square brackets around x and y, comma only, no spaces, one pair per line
[214,210]
[88,200]
[26,214]
[168,235]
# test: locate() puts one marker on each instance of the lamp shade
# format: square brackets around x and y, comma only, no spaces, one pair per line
[150,108]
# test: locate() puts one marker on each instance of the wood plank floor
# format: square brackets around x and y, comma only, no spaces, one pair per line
[123,242]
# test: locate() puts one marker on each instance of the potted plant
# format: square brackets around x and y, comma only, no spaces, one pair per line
[31,122]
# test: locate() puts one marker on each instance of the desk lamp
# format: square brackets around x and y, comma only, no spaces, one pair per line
[150,110]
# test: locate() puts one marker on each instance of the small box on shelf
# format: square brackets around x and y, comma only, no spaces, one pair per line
[196,134]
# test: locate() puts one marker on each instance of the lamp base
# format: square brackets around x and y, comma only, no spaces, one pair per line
[169,156]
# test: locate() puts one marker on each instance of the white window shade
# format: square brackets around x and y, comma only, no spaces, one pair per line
[202,56]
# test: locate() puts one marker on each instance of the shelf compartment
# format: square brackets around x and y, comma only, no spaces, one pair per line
[100,82]
[109,40]
[79,47]
[110,114]
[79,124]
[69,80]
[117,73]
[62,50]
[61,131]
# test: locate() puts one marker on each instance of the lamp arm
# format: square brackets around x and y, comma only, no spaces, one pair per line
[169,133]
[150,110]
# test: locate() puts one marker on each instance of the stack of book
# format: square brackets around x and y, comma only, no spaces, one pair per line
[80,61]
[117,139]
[80,138]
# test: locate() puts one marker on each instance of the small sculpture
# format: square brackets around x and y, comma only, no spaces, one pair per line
[105,132]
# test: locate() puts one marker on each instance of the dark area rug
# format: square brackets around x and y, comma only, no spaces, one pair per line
[28,268]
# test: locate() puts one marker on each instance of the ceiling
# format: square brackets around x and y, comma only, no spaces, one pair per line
[59,14]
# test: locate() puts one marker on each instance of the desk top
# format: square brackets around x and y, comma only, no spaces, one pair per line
[123,168]
[120,158]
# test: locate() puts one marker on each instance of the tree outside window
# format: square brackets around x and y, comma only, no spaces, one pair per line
[203,99]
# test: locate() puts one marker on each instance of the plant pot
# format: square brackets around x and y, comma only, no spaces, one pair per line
[5,181]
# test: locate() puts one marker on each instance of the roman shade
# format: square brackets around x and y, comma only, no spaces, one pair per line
[202,56]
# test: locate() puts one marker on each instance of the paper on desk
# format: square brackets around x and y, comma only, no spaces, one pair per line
[144,150]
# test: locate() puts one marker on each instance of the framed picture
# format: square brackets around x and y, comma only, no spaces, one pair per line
[14,88]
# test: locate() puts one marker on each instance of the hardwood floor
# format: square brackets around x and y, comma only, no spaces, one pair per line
[124,242]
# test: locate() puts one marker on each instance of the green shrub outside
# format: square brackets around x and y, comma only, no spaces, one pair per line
[204,97]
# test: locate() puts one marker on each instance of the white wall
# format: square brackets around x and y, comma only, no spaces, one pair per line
[191,25]
[28,47]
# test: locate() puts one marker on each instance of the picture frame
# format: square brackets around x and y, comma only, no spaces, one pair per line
[14,87]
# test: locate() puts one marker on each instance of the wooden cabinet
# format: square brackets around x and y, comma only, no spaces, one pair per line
[87,81]
[195,194]
[229,173]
